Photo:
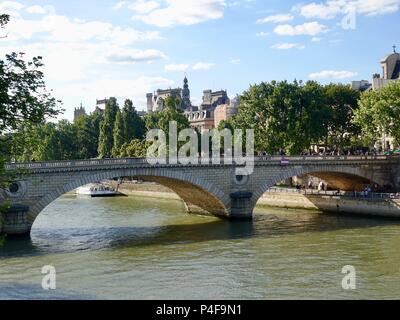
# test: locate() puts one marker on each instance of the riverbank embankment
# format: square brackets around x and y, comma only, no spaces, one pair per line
[389,208]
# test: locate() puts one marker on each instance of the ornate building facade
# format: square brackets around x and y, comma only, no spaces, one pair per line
[78,112]
[214,104]
[203,116]
[390,73]
[226,111]
[156,100]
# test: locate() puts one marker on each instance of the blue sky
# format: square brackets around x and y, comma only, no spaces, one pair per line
[95,49]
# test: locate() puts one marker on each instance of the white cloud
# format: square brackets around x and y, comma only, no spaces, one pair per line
[316,39]
[184,12]
[234,4]
[321,11]
[242,3]
[330,74]
[332,8]
[75,49]
[119,88]
[287,46]
[119,5]
[132,56]
[262,34]
[235,61]
[144,6]
[62,29]
[309,28]
[199,66]
[176,67]
[79,61]
[40,9]
[203,66]
[11,8]
[278,18]
[377,7]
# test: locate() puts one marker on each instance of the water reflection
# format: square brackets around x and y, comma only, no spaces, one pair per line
[149,249]
[64,240]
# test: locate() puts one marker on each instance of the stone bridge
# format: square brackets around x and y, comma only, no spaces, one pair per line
[204,188]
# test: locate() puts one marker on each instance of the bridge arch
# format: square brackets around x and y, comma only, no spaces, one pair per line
[199,196]
[346,178]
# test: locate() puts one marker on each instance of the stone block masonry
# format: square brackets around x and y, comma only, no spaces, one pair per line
[212,189]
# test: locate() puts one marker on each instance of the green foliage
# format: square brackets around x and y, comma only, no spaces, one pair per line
[171,112]
[55,141]
[134,149]
[24,100]
[4,19]
[119,134]
[106,137]
[283,115]
[87,129]
[342,102]
[226,124]
[294,116]
[134,125]
[23,95]
[378,113]
[51,141]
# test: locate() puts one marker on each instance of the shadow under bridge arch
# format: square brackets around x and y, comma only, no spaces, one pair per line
[344,178]
[199,196]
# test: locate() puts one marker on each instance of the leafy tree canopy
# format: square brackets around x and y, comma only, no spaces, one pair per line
[379,113]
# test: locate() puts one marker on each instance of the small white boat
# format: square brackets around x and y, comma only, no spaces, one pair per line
[96,191]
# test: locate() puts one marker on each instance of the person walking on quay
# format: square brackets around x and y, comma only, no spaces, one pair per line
[369,190]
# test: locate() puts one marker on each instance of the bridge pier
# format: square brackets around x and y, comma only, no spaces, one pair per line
[15,221]
[241,208]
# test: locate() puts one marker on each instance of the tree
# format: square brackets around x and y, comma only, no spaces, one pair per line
[4,19]
[284,116]
[342,102]
[106,137]
[23,98]
[87,135]
[23,94]
[23,143]
[133,124]
[119,134]
[134,149]
[57,141]
[50,141]
[379,113]
[171,112]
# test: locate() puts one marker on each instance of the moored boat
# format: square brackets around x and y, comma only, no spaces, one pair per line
[96,191]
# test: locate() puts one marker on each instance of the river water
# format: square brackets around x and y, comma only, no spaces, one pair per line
[141,248]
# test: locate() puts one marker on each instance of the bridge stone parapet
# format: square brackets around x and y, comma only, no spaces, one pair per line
[204,188]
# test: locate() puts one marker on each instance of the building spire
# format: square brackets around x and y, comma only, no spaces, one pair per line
[394,49]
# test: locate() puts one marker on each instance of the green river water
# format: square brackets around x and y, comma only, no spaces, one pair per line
[142,248]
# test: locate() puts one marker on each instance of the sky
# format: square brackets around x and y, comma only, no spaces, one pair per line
[93,49]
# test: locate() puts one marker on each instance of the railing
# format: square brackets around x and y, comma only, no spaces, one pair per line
[144,161]
[327,158]
[73,163]
[342,194]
